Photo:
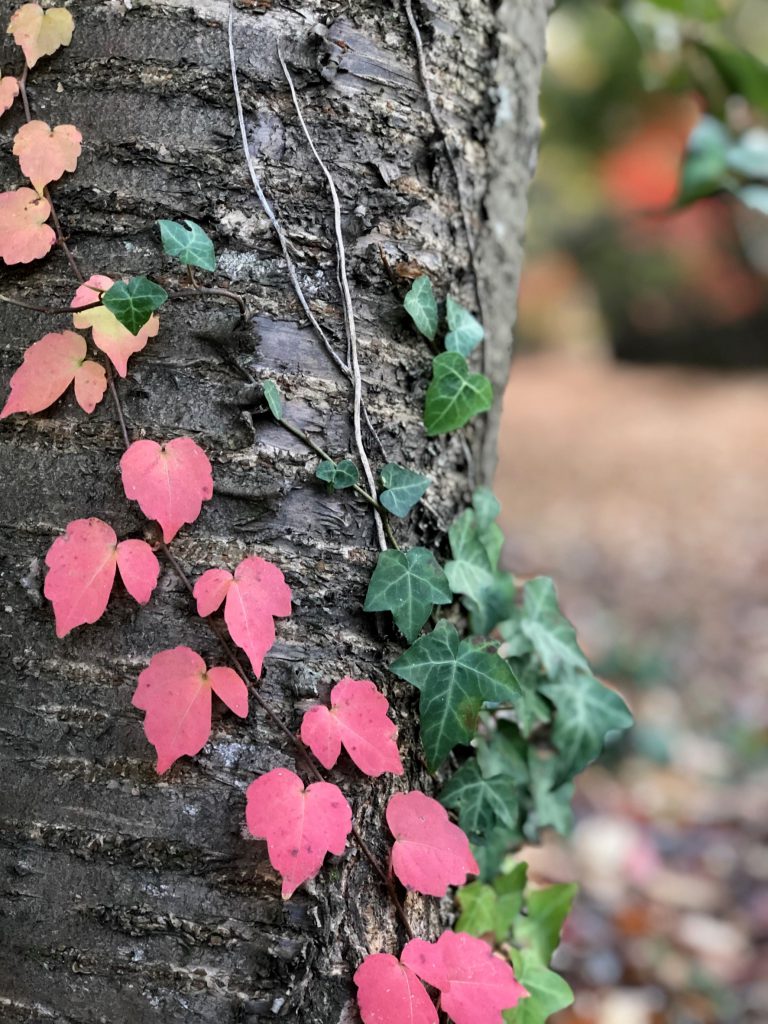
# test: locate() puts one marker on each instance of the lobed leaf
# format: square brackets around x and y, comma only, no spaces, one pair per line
[132,303]
[482,802]
[40,33]
[454,395]
[408,584]
[338,475]
[24,234]
[45,153]
[50,365]
[403,488]
[109,335]
[547,991]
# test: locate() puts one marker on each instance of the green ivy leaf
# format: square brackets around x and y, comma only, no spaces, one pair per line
[478,909]
[337,475]
[482,803]
[408,584]
[488,594]
[273,398]
[755,197]
[532,710]
[586,712]
[465,333]
[421,306]
[544,629]
[403,489]
[188,244]
[455,679]
[135,302]
[749,155]
[705,161]
[491,851]
[508,886]
[547,908]
[492,909]
[547,991]
[502,752]
[551,803]
[454,395]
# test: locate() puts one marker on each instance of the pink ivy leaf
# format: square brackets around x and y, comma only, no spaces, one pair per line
[170,482]
[475,985]
[430,852]
[49,367]
[139,568]
[388,992]
[300,825]
[24,235]
[254,595]
[358,719]
[9,90]
[174,691]
[82,567]
[45,153]
[109,335]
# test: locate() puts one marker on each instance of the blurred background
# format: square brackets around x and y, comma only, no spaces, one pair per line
[634,470]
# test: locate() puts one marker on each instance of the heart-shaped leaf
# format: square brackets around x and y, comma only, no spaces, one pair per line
[189,244]
[49,367]
[422,308]
[454,395]
[45,153]
[408,584]
[466,332]
[24,235]
[134,302]
[338,475]
[40,33]
[403,488]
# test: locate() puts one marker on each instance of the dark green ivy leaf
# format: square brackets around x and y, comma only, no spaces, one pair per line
[421,306]
[491,852]
[454,395]
[273,398]
[188,244]
[550,798]
[487,593]
[547,991]
[455,679]
[482,803]
[544,629]
[465,333]
[586,712]
[338,475]
[135,302]
[408,584]
[403,488]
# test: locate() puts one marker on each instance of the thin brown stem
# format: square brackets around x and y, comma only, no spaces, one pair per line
[193,292]
[49,310]
[118,406]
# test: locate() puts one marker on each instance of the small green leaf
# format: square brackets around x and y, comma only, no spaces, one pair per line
[408,584]
[547,991]
[487,593]
[544,629]
[548,908]
[455,679]
[502,751]
[586,712]
[466,332]
[532,710]
[135,302]
[273,398]
[551,803]
[491,851]
[482,803]
[403,488]
[421,306]
[337,475]
[705,162]
[454,395]
[478,909]
[189,244]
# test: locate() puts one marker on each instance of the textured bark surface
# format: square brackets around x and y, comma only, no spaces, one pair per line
[128,898]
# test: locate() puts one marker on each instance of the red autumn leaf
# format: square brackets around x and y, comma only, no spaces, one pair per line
[430,852]
[475,985]
[24,235]
[358,719]
[170,481]
[300,825]
[388,992]
[82,567]
[255,594]
[9,90]
[49,367]
[45,153]
[40,33]
[175,692]
[109,335]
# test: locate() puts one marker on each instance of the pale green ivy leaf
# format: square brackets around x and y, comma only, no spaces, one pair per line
[134,302]
[547,910]
[338,475]
[188,244]
[455,678]
[550,798]
[403,488]
[454,395]
[421,306]
[273,398]
[488,594]
[548,993]
[544,629]
[408,584]
[465,331]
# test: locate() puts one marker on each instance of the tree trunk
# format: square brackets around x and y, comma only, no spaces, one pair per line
[133,898]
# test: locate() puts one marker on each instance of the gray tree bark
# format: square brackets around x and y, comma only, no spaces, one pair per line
[129,898]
